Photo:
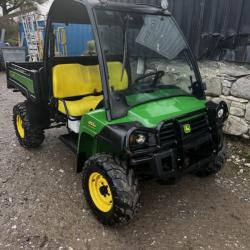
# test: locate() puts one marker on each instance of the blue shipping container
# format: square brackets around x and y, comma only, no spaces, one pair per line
[77,37]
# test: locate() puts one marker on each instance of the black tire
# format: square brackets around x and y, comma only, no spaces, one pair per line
[33,135]
[214,167]
[122,183]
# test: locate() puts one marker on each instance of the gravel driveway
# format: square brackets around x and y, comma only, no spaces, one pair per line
[42,207]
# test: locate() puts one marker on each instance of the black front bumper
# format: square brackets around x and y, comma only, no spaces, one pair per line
[180,159]
[166,165]
[178,152]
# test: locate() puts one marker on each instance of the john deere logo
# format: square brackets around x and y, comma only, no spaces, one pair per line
[187,129]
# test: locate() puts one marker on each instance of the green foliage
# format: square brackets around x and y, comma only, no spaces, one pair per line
[11,28]
[9,6]
[14,6]
[248,156]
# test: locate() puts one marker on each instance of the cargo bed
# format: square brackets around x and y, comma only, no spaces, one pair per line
[26,78]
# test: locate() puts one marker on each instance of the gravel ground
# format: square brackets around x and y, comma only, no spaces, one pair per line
[42,207]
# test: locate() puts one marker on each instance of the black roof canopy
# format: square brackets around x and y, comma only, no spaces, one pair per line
[75,11]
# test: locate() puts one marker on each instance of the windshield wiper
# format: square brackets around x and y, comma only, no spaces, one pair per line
[125,46]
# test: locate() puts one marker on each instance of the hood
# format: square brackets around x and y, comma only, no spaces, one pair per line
[152,113]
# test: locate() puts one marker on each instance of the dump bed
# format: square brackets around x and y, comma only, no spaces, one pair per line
[26,78]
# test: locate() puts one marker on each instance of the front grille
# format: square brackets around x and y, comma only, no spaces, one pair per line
[167,133]
[198,125]
[172,131]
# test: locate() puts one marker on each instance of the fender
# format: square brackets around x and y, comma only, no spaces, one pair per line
[111,139]
[39,115]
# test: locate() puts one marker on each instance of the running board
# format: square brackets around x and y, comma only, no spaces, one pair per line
[70,140]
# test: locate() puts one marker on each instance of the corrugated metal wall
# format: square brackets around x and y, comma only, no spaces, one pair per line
[216,29]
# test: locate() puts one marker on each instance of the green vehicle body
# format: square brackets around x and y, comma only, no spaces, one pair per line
[149,115]
[25,81]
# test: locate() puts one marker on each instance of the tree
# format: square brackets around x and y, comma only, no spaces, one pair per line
[11,9]
[9,6]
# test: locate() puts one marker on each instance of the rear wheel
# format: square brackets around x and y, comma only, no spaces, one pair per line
[111,189]
[29,135]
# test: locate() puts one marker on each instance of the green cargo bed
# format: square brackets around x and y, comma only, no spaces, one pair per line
[26,78]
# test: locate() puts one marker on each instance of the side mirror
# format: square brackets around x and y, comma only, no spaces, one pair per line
[204,85]
[198,89]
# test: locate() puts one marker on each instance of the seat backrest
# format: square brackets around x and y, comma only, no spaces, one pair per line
[115,75]
[94,76]
[69,80]
[72,80]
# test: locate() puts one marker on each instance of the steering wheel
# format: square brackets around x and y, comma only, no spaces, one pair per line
[157,74]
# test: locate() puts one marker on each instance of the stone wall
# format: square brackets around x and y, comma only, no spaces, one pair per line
[231,83]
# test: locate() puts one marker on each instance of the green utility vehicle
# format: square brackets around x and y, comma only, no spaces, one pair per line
[133,102]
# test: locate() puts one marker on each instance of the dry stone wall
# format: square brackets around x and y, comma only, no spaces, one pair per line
[230,83]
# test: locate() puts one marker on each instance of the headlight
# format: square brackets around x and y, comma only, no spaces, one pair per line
[141,140]
[137,139]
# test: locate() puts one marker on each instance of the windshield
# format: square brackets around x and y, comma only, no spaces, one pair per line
[147,59]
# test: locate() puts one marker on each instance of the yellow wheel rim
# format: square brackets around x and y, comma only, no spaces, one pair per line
[100,192]
[19,125]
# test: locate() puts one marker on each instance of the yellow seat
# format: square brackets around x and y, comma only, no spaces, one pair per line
[80,107]
[76,80]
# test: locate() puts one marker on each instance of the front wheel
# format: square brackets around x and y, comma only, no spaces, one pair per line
[111,189]
[214,167]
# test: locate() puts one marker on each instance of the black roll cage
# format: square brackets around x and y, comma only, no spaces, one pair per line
[90,5]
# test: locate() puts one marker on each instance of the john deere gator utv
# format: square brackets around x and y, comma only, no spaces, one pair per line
[132,101]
